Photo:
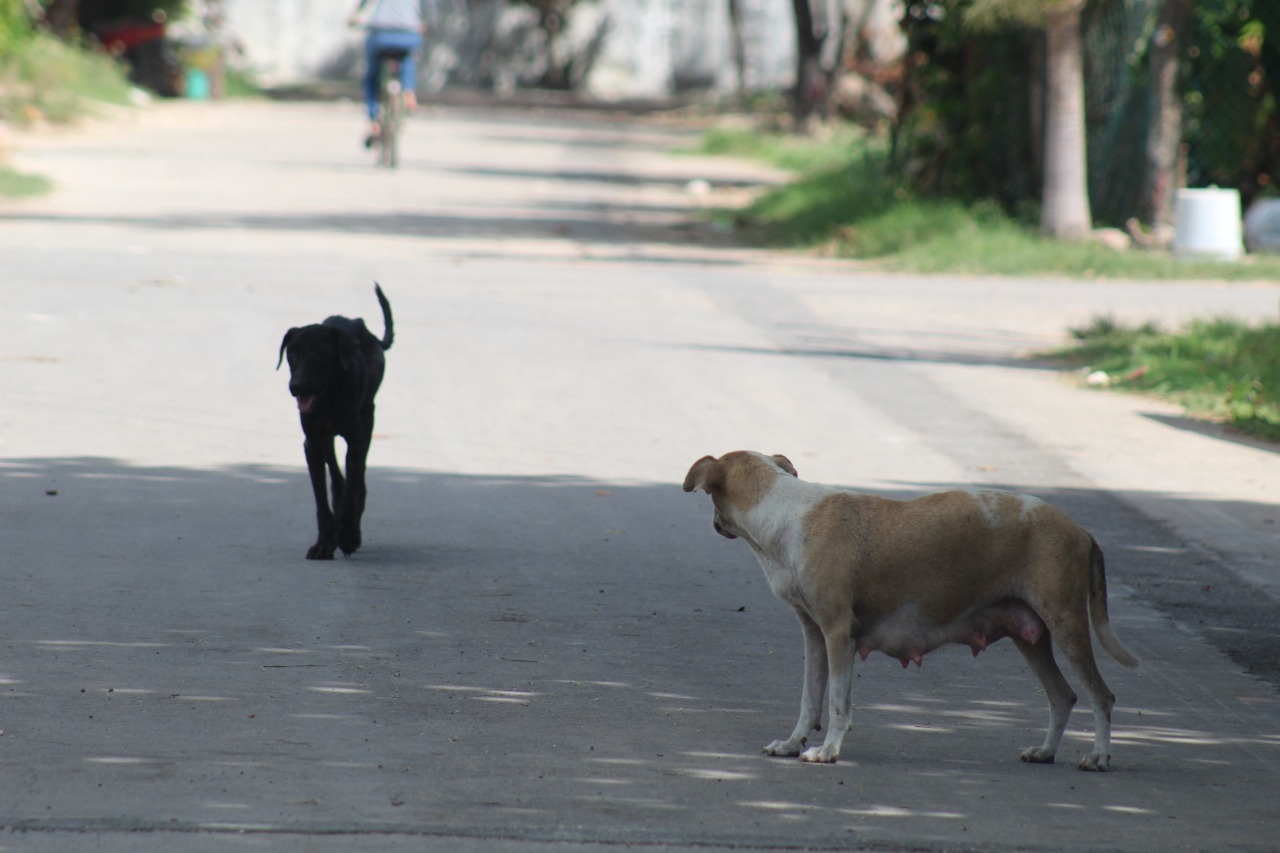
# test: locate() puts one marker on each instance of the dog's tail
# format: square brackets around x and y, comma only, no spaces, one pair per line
[390,334]
[1098,609]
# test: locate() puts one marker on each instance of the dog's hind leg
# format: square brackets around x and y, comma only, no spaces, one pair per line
[812,695]
[318,452]
[1062,698]
[1080,653]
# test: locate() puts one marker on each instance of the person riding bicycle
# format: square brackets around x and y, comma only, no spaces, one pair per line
[395,26]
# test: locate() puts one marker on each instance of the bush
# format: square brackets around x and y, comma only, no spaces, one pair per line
[42,78]
[14,27]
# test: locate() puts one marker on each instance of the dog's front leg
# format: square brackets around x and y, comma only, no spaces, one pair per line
[352,506]
[318,451]
[812,694]
[839,693]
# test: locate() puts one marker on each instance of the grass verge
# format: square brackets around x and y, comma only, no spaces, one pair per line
[45,79]
[843,202]
[15,184]
[1218,369]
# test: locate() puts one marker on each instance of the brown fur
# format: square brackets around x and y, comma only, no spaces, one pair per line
[866,573]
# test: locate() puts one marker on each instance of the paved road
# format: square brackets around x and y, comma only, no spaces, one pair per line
[543,645]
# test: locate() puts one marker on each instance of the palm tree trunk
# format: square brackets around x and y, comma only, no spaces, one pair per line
[1065,212]
[1164,137]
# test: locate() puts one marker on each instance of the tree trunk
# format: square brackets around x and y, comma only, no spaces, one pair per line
[739,51]
[62,17]
[819,54]
[1065,212]
[1164,135]
[551,22]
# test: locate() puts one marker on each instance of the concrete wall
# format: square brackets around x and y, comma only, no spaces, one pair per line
[291,41]
[637,48]
[646,48]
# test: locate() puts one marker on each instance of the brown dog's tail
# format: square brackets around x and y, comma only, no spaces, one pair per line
[1098,609]
[390,334]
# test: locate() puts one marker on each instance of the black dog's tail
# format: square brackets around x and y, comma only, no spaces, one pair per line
[390,334]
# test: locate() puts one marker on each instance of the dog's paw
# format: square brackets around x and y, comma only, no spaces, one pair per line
[320,551]
[1096,762]
[349,539]
[1037,755]
[784,748]
[820,754]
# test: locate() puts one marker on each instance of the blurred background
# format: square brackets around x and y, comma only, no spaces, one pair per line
[960,93]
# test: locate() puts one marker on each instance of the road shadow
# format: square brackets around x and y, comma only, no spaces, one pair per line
[607,224]
[609,178]
[1222,432]
[980,347]
[545,658]
[565,536]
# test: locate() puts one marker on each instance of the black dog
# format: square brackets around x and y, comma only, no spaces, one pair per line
[336,368]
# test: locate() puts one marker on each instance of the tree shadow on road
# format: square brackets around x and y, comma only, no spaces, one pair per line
[539,658]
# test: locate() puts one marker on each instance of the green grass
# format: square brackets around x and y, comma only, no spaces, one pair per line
[843,203]
[242,85]
[44,79]
[15,184]
[1219,369]
[47,79]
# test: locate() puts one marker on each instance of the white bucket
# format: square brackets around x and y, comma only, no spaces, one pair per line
[1208,224]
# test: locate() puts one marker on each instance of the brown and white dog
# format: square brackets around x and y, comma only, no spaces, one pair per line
[868,573]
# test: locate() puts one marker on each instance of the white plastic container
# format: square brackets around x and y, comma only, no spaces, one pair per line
[1207,224]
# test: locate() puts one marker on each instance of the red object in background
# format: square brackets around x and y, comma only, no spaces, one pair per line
[121,36]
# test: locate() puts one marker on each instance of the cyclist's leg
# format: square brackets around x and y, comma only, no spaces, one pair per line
[372,59]
[410,43]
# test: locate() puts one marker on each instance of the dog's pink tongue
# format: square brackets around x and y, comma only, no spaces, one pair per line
[304,404]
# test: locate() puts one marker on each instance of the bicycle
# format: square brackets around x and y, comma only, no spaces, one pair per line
[391,108]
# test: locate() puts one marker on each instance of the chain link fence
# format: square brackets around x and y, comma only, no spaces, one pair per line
[974,104]
[1229,70]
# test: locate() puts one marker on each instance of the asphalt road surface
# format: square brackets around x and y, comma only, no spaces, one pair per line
[542,643]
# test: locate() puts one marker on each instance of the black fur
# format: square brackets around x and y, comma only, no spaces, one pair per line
[335,370]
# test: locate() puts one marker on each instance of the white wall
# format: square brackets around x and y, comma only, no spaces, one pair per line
[651,47]
[291,41]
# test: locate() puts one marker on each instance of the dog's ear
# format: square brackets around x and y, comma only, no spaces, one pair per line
[785,464]
[283,344]
[706,474]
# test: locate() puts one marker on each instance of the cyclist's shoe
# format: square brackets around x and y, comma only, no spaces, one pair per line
[375,134]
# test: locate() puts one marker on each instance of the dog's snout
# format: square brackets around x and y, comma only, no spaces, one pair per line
[719,528]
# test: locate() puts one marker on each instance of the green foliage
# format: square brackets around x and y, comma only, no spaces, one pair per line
[966,130]
[15,184]
[786,151]
[14,26]
[974,76]
[994,14]
[1232,116]
[847,204]
[45,78]
[1217,368]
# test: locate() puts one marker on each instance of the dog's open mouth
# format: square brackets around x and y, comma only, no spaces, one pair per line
[305,403]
